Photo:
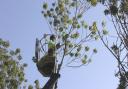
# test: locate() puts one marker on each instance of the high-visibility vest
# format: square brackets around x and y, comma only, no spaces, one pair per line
[51,44]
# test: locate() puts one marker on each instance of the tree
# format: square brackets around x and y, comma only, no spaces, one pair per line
[11,70]
[72,35]
[118,11]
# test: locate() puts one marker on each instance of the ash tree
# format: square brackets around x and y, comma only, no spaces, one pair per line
[69,39]
[11,70]
[117,11]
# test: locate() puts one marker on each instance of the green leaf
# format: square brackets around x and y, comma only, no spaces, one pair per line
[114,47]
[87,48]
[75,35]
[105,32]
[30,87]
[85,56]
[36,81]
[96,37]
[73,4]
[106,12]
[53,4]
[77,54]
[84,24]
[60,29]
[78,26]
[17,51]
[69,21]
[12,52]
[45,6]
[45,15]
[25,65]
[71,54]
[79,48]
[79,16]
[94,28]
[19,57]
[113,9]
[95,50]
[84,61]
[93,2]
[70,45]
[4,43]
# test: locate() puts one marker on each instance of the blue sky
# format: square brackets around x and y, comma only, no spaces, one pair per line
[21,22]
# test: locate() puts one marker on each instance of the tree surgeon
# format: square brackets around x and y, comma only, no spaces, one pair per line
[46,64]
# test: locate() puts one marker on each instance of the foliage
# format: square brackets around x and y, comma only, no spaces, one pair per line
[66,22]
[93,2]
[36,83]
[73,36]
[122,84]
[11,70]
[118,11]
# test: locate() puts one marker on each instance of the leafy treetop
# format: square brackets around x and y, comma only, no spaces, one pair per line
[66,21]
[11,70]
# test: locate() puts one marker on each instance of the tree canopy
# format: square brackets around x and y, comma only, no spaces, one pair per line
[73,37]
[11,70]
